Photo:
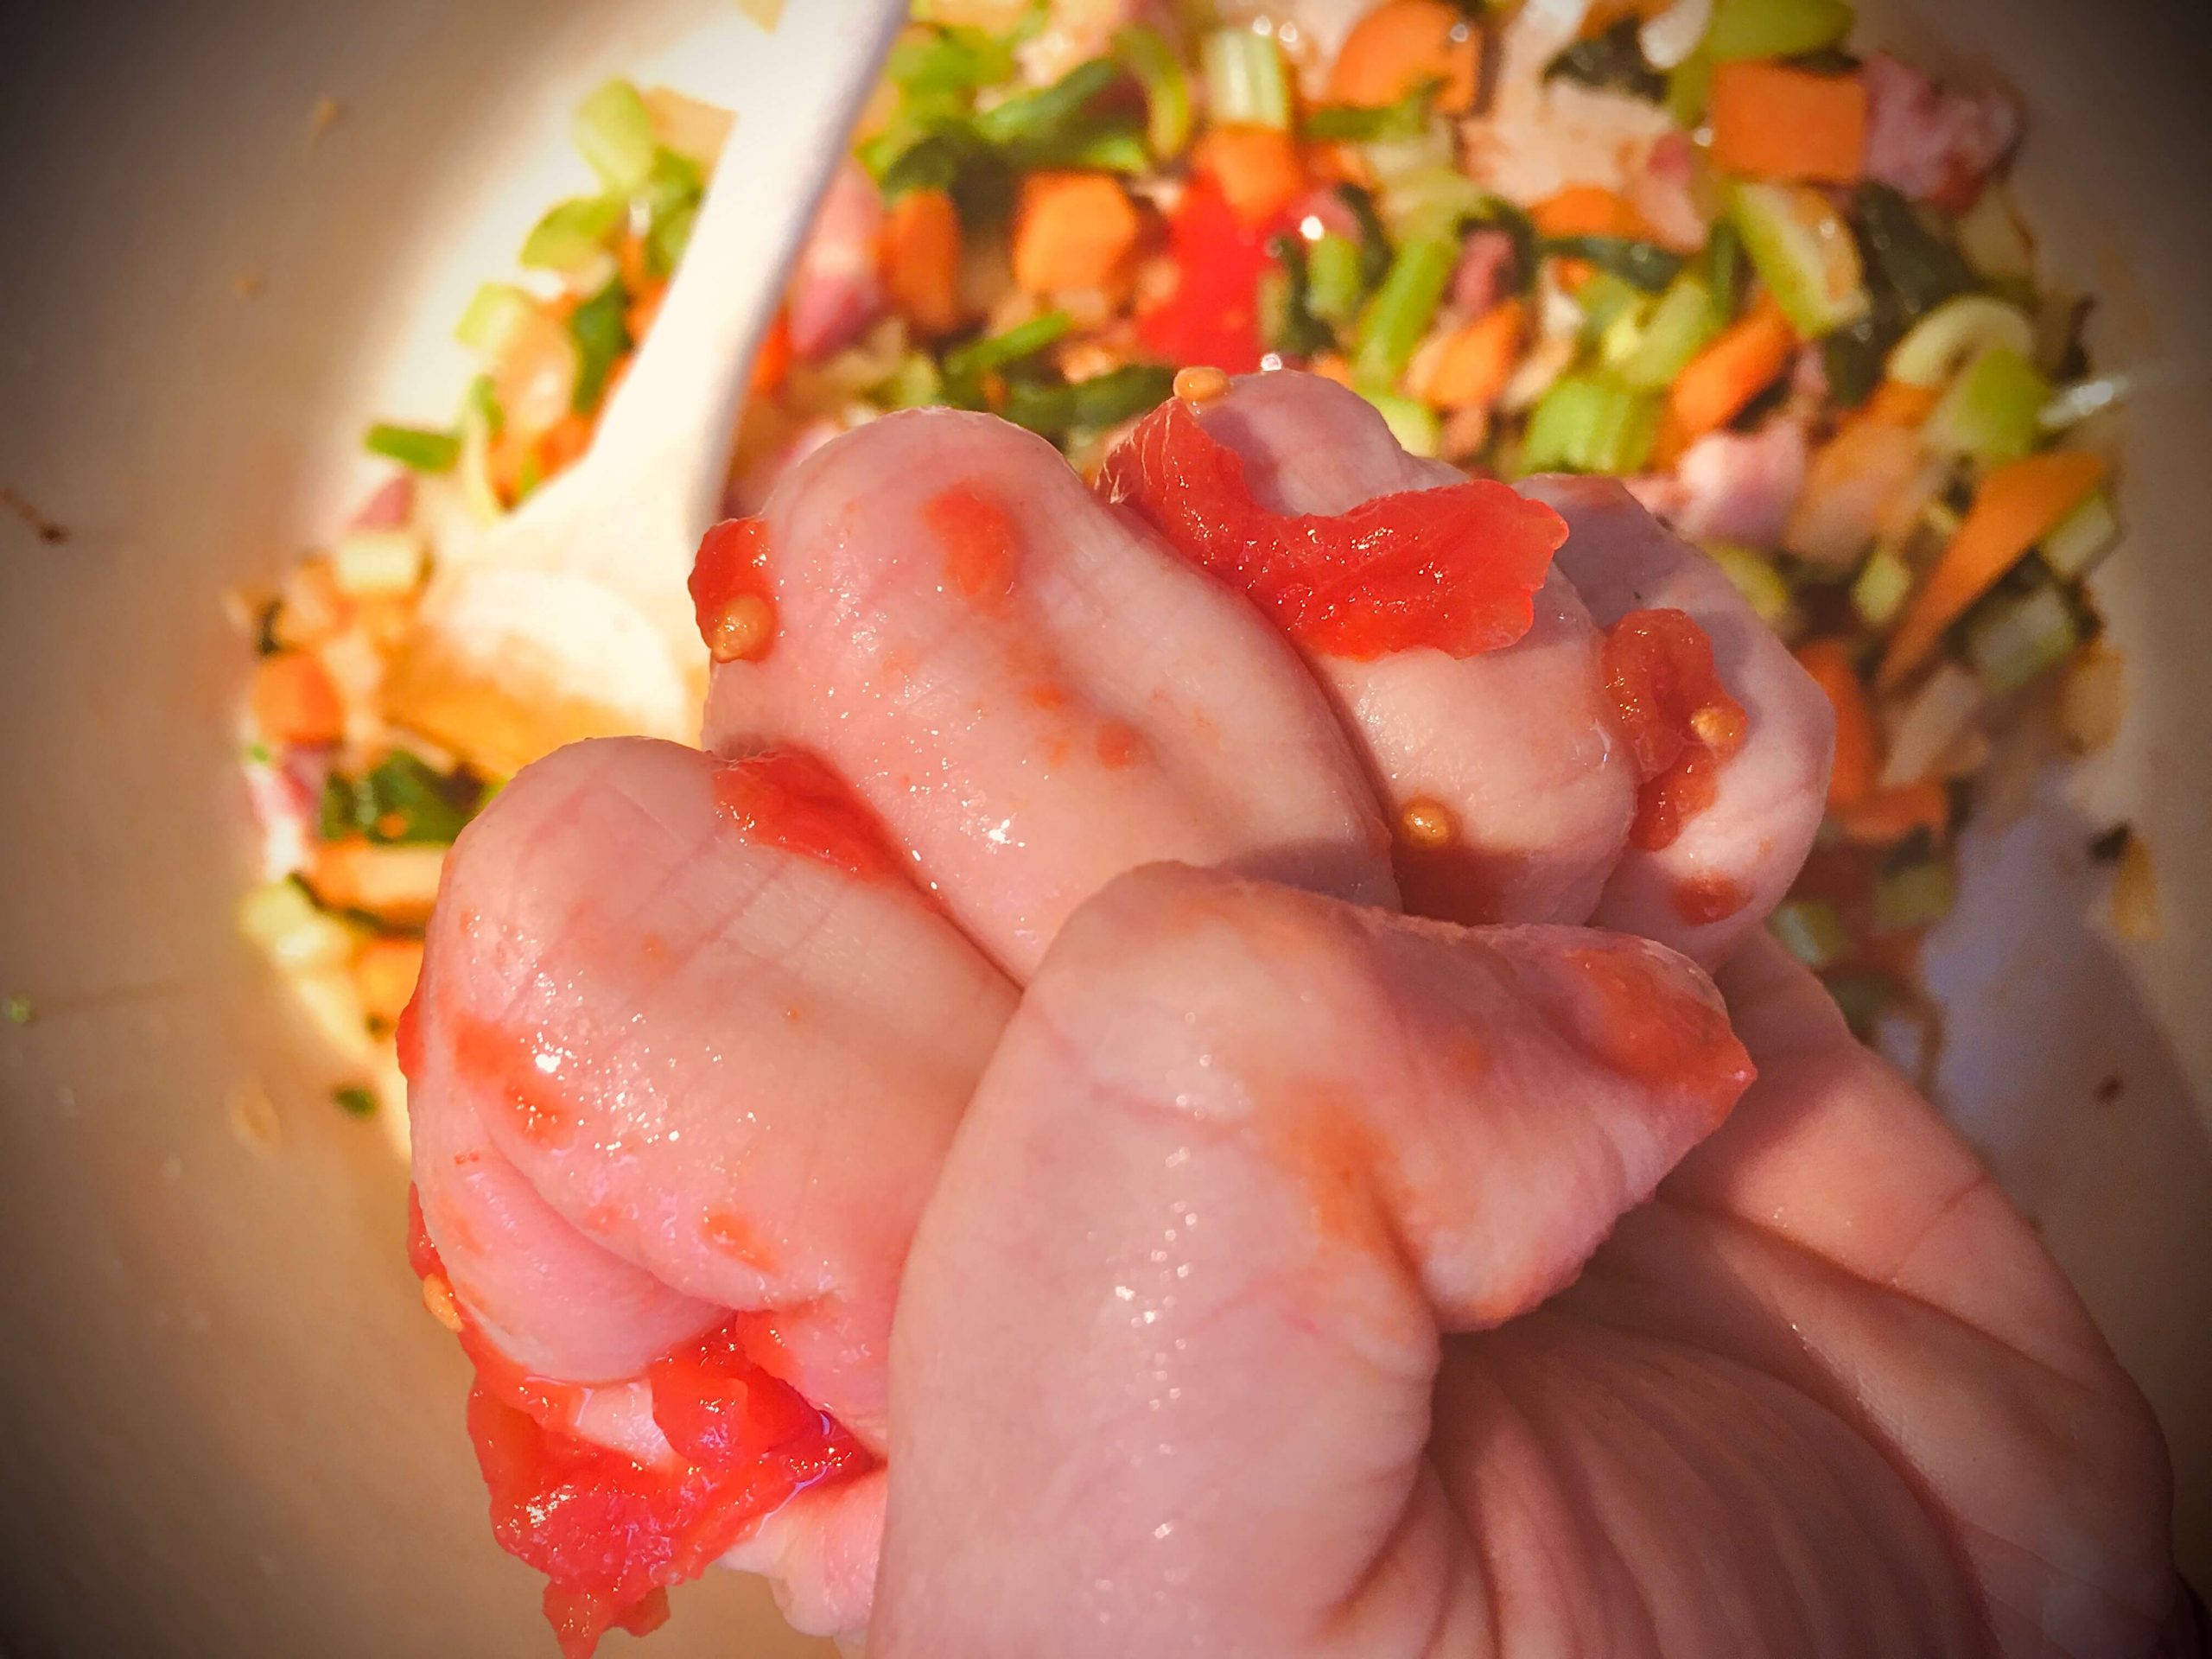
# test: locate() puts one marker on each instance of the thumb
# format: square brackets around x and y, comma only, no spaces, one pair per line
[1162,1360]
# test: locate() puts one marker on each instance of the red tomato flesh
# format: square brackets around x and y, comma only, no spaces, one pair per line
[1680,723]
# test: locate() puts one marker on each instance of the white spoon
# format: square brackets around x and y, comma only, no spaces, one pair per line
[570,618]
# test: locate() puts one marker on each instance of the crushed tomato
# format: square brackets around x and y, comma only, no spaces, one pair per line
[785,797]
[1212,319]
[1456,568]
[611,1534]
[731,597]
[1680,723]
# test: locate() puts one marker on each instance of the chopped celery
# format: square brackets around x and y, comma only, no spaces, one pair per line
[1603,300]
[413,447]
[1336,278]
[1048,113]
[1687,88]
[1247,84]
[1413,424]
[915,383]
[1620,338]
[1916,895]
[1159,69]
[1426,203]
[996,351]
[2013,640]
[615,136]
[498,313]
[1754,577]
[1810,931]
[1401,312]
[2082,538]
[601,328]
[1954,335]
[1774,28]
[1587,425]
[1990,411]
[1804,252]
[1879,590]
[937,59]
[1679,328]
[1642,265]
[1407,117]
[574,234]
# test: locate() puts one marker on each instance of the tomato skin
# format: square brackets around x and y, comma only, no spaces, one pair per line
[1212,319]
[1455,568]
[1680,722]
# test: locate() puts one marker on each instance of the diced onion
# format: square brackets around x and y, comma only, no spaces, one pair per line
[1669,39]
[1935,717]
[1941,343]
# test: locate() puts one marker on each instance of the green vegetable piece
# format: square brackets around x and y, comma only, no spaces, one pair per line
[1689,87]
[574,234]
[496,312]
[1287,324]
[1953,334]
[2082,538]
[1061,412]
[1406,117]
[670,199]
[601,328]
[399,801]
[1374,254]
[17,1011]
[1413,424]
[1584,424]
[1804,252]
[615,136]
[355,1100]
[1613,61]
[1811,931]
[915,383]
[1990,411]
[1159,69]
[1604,301]
[1852,357]
[2013,639]
[1433,203]
[940,59]
[1774,28]
[1913,896]
[1247,84]
[1642,265]
[1754,574]
[1336,279]
[1879,590]
[413,447]
[1679,328]
[481,404]
[1401,312]
[980,356]
[1096,145]
[1720,262]
[1912,267]
[1030,118]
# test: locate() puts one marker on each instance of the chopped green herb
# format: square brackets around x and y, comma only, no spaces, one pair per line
[17,1010]
[601,328]
[399,800]
[355,1100]
[413,447]
[1645,264]
[1039,117]
[1613,61]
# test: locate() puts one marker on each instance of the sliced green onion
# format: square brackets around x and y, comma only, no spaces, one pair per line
[1811,931]
[1642,265]
[355,1100]
[1399,315]
[1915,896]
[1990,411]
[601,328]
[1804,252]
[413,447]
[992,352]
[1413,424]
[1336,278]
[1159,69]
[2013,641]
[1774,28]
[497,314]
[1724,253]
[1246,82]
[1879,590]
[1679,328]
[2074,404]
[2082,538]
[1037,117]
[574,234]
[615,136]
[1403,118]
[1583,424]
[1103,402]
[1763,587]
[1954,335]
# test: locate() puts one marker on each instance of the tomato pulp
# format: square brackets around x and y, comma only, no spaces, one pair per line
[731,599]
[787,799]
[1680,723]
[1213,316]
[1456,568]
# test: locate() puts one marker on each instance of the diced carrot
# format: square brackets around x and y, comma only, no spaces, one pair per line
[1333,163]
[1727,374]
[1771,121]
[560,444]
[293,700]
[384,974]
[921,258]
[1074,230]
[1896,403]
[645,307]
[1402,43]
[1477,360]
[1586,210]
[1331,365]
[773,361]
[1885,816]
[1258,170]
[2016,506]
[1858,740]
[630,260]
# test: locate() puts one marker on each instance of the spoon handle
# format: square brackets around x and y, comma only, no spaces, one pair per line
[795,90]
